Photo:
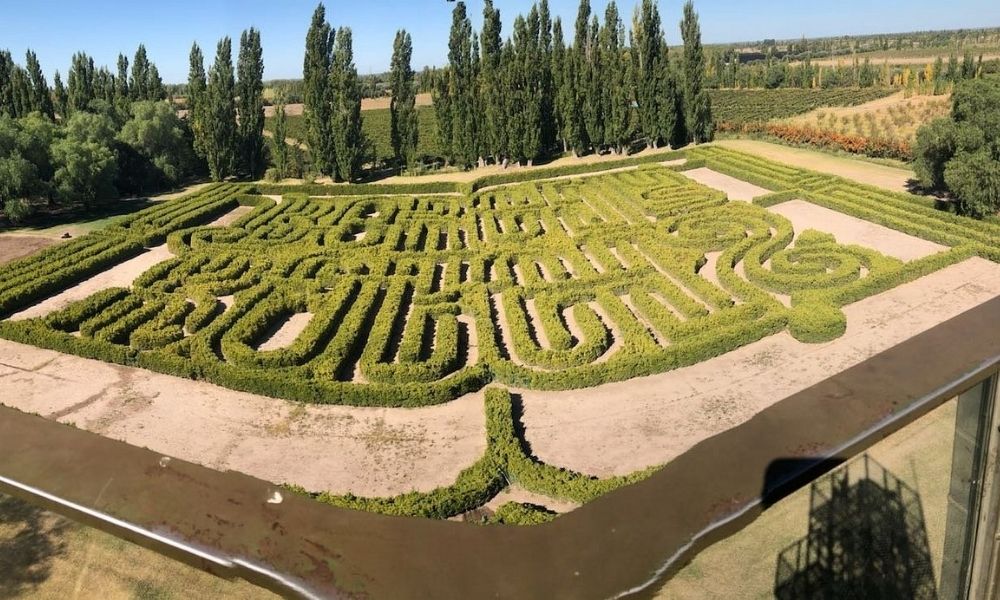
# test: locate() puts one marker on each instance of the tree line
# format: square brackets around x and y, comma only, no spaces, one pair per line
[530,96]
[726,70]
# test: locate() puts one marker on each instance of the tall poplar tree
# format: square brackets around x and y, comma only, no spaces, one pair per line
[581,72]
[697,104]
[617,103]
[80,82]
[493,124]
[348,141]
[197,101]
[316,95]
[220,114]
[461,89]
[562,81]
[652,79]
[122,99]
[279,147]
[547,82]
[59,96]
[441,95]
[402,107]
[139,83]
[250,94]
[41,99]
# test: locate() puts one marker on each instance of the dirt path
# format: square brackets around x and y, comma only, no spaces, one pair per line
[736,189]
[13,247]
[890,178]
[286,332]
[852,230]
[230,217]
[121,275]
[618,428]
[369,451]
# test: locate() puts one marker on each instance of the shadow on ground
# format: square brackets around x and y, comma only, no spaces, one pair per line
[30,539]
[866,539]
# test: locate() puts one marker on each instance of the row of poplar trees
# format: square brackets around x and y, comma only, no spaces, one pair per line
[534,95]
[24,90]
[226,110]
[332,101]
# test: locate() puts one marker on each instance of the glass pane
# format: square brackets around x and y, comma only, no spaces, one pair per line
[893,522]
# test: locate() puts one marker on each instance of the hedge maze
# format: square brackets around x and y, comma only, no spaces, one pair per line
[414,298]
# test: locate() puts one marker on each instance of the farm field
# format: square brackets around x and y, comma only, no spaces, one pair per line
[894,117]
[733,107]
[506,313]
[376,125]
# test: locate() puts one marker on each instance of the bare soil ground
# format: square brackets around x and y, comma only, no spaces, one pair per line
[368,451]
[618,428]
[852,230]
[743,566]
[286,333]
[230,217]
[121,275]
[736,189]
[890,178]
[13,247]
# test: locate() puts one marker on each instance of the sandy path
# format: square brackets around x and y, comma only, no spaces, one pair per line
[286,332]
[890,178]
[535,320]
[516,493]
[364,450]
[736,189]
[472,357]
[121,275]
[230,217]
[617,428]
[852,230]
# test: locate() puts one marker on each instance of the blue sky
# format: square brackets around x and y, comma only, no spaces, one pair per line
[103,28]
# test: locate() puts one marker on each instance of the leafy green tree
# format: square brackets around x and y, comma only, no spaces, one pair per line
[580,68]
[974,179]
[962,153]
[316,95]
[697,104]
[220,114]
[20,180]
[593,86]
[652,81]
[348,141]
[402,108]
[546,80]
[41,98]
[197,100]
[85,162]
[250,92]
[157,134]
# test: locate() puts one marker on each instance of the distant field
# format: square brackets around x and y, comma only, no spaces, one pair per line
[743,106]
[376,125]
[894,117]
